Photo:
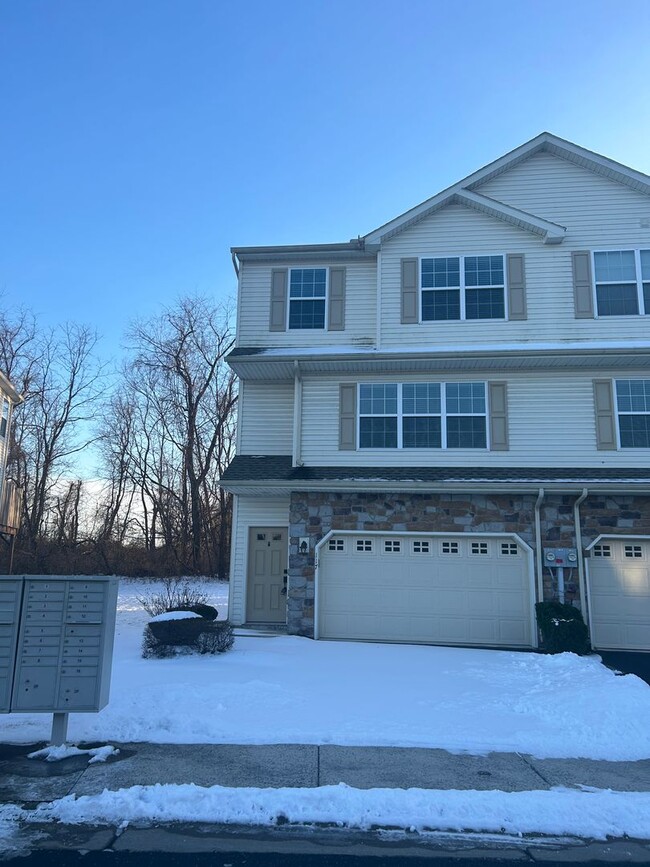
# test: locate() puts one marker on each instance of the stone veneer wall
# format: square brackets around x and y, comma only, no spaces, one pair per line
[315,514]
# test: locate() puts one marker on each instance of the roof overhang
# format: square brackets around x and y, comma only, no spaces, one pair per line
[273,487]
[280,364]
[350,251]
[8,389]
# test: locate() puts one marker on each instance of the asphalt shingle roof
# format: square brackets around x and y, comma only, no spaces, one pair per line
[278,468]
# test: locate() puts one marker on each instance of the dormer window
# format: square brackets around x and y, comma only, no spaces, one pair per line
[307,295]
[462,287]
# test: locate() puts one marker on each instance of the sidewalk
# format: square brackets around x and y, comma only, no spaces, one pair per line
[26,781]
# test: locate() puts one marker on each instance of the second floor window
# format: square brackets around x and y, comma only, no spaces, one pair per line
[463,287]
[622,280]
[4,421]
[429,415]
[307,292]
[633,404]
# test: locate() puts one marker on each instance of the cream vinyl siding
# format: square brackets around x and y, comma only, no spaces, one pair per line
[551,424]
[266,418]
[255,297]
[250,512]
[597,213]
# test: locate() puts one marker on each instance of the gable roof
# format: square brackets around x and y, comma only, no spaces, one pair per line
[464,193]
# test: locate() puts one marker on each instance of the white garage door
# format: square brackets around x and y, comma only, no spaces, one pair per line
[618,583]
[445,590]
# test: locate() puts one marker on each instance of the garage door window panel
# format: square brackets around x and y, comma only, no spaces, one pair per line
[633,404]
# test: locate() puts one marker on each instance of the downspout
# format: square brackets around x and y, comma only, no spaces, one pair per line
[297,414]
[378,304]
[538,546]
[581,563]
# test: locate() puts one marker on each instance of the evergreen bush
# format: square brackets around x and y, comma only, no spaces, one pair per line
[562,627]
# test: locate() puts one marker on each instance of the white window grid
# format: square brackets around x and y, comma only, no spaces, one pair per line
[447,547]
[462,288]
[324,298]
[392,546]
[602,550]
[633,551]
[336,545]
[509,549]
[480,548]
[442,415]
[421,547]
[619,412]
[641,278]
[364,546]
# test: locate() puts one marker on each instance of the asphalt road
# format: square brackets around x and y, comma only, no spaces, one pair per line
[628,663]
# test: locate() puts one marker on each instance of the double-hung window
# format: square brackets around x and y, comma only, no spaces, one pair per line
[462,287]
[4,421]
[431,415]
[307,294]
[622,280]
[633,405]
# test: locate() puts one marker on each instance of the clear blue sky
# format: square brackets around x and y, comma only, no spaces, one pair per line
[140,139]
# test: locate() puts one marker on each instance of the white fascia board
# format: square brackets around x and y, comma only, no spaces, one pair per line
[273,487]
[552,233]
[544,142]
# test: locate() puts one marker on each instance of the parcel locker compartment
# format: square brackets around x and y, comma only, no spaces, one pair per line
[77,693]
[35,687]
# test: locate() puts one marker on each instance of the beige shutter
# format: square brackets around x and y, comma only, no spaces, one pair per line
[336,318]
[278,320]
[582,287]
[516,286]
[604,408]
[498,404]
[409,306]
[347,416]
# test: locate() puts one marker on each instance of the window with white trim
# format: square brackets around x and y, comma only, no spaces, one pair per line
[336,545]
[364,546]
[432,415]
[633,406]
[307,296]
[4,421]
[479,548]
[462,287]
[421,547]
[392,546]
[634,551]
[509,549]
[622,279]
[602,550]
[449,548]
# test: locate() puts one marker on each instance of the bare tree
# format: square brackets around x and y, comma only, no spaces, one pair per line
[171,433]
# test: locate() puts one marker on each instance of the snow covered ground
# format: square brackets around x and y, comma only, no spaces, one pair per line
[293,690]
[595,814]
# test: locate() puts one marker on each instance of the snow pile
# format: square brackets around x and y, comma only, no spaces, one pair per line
[286,689]
[595,813]
[174,615]
[56,754]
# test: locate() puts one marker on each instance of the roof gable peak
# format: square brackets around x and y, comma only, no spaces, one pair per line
[545,142]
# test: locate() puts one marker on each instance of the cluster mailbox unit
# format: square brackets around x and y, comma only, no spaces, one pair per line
[56,645]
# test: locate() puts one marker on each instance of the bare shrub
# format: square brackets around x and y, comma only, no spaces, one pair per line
[177,593]
[217,639]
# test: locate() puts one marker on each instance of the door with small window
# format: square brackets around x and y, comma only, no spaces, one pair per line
[618,592]
[266,597]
